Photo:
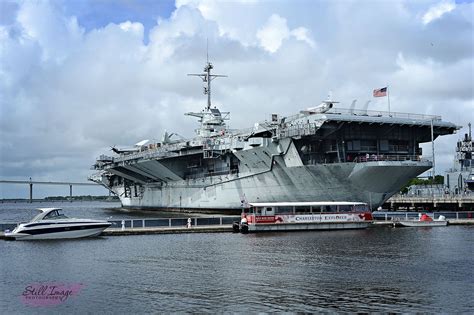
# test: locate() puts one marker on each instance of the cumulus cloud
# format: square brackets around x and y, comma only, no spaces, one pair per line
[302,34]
[272,34]
[432,79]
[437,11]
[56,34]
[275,31]
[67,94]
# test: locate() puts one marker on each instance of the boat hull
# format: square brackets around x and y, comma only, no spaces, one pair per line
[370,182]
[308,226]
[306,221]
[58,232]
[422,223]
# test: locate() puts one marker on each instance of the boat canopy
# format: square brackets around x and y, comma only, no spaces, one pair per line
[49,209]
[48,213]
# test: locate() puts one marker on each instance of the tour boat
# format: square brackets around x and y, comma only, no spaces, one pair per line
[296,216]
[423,221]
[52,224]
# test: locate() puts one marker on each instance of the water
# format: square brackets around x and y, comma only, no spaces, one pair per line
[22,211]
[378,269]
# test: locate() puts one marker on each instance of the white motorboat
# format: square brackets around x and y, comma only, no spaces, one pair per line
[51,223]
[423,221]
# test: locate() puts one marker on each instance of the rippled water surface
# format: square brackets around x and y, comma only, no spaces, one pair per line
[378,269]
[23,211]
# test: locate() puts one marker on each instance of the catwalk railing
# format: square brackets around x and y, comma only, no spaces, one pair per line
[390,158]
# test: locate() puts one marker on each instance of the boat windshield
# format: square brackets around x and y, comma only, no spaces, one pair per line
[37,217]
[54,215]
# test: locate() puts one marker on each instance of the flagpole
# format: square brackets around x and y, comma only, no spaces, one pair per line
[388,98]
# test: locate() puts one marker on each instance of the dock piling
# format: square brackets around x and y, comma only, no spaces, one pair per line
[31,192]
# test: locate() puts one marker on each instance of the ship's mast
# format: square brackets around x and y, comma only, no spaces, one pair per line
[211,119]
[207,77]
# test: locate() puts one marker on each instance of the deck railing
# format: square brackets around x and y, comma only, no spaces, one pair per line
[442,198]
[394,158]
[173,222]
[154,222]
[370,113]
[393,216]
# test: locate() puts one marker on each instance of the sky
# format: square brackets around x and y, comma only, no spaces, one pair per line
[77,77]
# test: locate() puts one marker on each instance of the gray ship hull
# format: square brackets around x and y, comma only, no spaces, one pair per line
[370,182]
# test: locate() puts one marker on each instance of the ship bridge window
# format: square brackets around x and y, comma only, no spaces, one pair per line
[399,146]
[368,145]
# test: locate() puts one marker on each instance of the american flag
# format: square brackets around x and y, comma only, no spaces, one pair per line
[380,92]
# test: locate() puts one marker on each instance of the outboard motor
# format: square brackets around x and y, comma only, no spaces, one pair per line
[235,227]
[244,228]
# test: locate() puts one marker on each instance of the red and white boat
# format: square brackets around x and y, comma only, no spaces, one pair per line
[295,216]
[423,221]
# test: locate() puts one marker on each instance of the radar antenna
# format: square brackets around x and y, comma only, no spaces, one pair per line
[211,119]
[207,77]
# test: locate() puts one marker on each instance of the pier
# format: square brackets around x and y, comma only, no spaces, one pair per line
[147,226]
[441,202]
[32,182]
[223,224]
[227,228]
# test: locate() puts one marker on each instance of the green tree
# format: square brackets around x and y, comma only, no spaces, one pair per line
[438,180]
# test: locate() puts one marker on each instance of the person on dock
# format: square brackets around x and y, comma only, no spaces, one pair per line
[188,225]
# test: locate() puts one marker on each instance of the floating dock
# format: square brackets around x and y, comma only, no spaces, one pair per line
[160,230]
[225,228]
[168,230]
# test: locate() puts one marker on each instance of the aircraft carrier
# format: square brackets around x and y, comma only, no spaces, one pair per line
[319,154]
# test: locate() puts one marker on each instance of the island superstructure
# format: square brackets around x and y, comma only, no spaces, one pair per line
[319,154]
[460,178]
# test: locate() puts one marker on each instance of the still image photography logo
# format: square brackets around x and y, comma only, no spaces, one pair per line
[49,294]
